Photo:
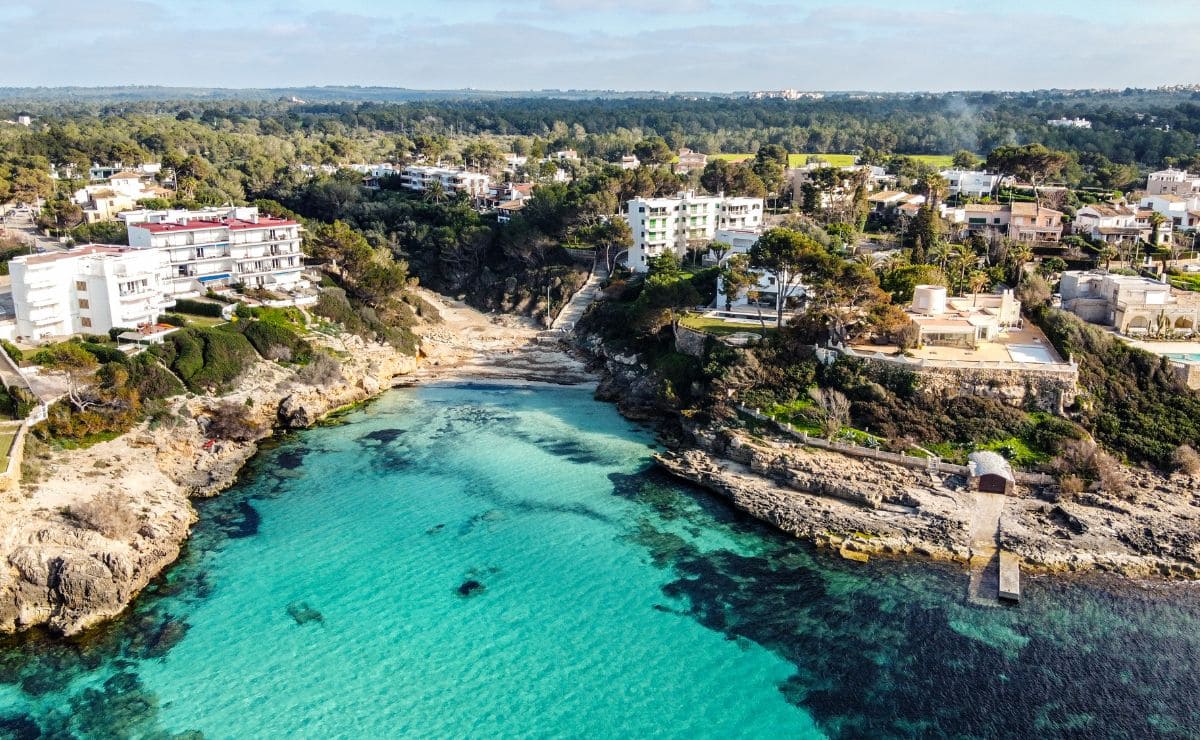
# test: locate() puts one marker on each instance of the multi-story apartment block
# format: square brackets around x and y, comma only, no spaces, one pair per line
[661,225]
[213,248]
[453,180]
[88,289]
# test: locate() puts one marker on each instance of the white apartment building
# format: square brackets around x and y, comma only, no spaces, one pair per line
[661,225]
[453,179]
[219,247]
[88,289]
[1173,182]
[970,183]
[1069,123]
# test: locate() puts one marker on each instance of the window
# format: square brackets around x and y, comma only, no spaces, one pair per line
[85,322]
[83,303]
[81,285]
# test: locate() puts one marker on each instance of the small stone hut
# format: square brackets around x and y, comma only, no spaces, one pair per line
[991,473]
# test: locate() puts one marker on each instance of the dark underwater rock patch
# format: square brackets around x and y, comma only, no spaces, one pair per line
[384,436]
[470,587]
[303,614]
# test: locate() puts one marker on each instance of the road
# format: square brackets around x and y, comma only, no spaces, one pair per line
[18,222]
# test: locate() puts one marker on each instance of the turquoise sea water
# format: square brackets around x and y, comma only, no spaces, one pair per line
[495,562]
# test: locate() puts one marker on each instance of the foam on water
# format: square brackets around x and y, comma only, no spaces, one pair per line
[496,561]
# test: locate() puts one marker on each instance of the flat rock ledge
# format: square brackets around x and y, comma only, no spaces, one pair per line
[858,506]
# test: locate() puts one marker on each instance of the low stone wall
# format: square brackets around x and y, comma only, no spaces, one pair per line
[1052,387]
[1050,390]
[1187,373]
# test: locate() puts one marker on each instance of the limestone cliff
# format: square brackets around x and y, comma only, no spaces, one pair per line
[68,564]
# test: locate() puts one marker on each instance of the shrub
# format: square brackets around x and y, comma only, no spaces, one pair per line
[12,350]
[276,341]
[104,353]
[198,308]
[106,513]
[1186,459]
[209,359]
[232,421]
[173,319]
[324,370]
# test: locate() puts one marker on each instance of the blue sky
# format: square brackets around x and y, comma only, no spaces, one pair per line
[717,45]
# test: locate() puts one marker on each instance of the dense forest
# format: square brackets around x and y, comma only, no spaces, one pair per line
[1132,128]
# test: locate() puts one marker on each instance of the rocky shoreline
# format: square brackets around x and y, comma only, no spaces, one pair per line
[880,509]
[874,508]
[68,572]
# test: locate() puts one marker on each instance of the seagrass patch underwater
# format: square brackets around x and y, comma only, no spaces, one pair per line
[475,560]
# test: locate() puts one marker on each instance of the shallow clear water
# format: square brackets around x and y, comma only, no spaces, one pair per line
[480,561]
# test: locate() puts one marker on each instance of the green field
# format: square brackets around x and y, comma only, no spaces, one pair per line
[841,160]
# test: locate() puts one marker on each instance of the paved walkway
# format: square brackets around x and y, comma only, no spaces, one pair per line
[578,305]
[984,586]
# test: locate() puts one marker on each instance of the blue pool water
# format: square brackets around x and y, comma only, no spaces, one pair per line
[484,562]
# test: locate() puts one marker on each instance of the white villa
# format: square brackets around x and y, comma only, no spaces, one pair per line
[661,225]
[121,193]
[88,289]
[1118,223]
[1069,122]
[964,321]
[970,183]
[1131,304]
[1182,211]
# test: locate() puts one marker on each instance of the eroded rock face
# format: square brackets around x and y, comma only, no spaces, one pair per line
[58,572]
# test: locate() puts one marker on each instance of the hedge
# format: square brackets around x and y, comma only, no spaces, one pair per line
[198,308]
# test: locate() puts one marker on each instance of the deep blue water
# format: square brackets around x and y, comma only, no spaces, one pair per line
[484,562]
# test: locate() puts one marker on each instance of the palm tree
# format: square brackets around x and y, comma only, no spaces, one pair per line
[978,281]
[435,191]
[935,187]
[939,253]
[966,259]
[1106,253]
[1156,222]
[1019,253]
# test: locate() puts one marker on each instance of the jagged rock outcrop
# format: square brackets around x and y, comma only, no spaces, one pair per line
[56,571]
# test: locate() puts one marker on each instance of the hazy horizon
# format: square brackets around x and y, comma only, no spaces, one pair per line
[718,46]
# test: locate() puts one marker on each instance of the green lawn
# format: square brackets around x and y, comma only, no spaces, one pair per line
[841,160]
[203,322]
[719,328]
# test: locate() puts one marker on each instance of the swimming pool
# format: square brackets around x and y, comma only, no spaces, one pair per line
[1031,353]
[1183,356]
